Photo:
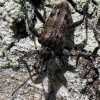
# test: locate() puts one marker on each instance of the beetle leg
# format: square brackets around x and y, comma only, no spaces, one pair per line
[96,35]
[97,38]
[94,53]
[31,28]
[34,31]
[74,5]
[84,12]
[95,2]
[40,17]
[74,25]
[24,8]
[80,46]
[37,14]
[67,52]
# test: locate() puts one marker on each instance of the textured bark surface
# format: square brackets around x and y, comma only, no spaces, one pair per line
[17,58]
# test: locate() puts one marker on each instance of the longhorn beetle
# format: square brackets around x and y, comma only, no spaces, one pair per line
[55,34]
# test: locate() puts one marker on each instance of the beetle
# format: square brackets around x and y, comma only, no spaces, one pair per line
[55,37]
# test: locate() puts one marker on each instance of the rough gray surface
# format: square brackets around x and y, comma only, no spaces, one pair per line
[17,54]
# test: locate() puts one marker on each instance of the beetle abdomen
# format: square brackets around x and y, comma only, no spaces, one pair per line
[55,28]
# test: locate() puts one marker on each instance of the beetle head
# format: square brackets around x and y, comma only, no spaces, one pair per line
[44,55]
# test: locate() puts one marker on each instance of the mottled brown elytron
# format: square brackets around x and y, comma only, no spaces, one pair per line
[53,33]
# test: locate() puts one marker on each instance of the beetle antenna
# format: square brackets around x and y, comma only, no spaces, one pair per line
[30,29]
[23,83]
[43,88]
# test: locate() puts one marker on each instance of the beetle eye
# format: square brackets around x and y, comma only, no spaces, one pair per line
[44,67]
[37,66]
[40,67]
[45,53]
